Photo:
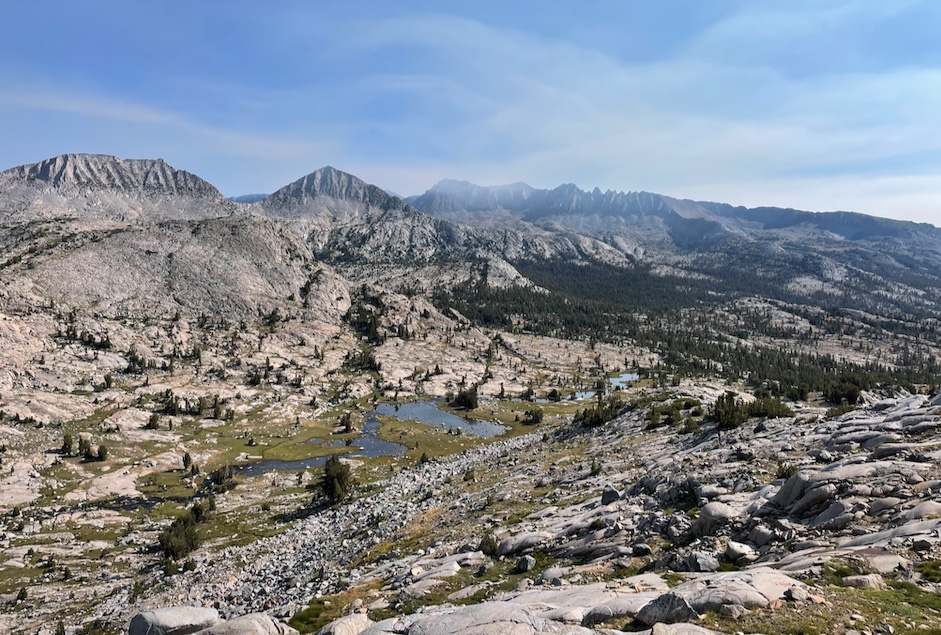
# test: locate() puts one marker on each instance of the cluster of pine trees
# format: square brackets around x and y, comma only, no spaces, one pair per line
[605,303]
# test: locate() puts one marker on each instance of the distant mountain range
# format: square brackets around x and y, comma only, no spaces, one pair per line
[125,235]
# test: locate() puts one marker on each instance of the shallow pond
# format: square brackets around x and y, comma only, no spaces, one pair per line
[370,445]
[619,382]
[367,444]
[428,412]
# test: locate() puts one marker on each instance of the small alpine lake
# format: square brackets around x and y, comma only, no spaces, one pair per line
[368,444]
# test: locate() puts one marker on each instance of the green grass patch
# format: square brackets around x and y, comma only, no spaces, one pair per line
[169,485]
[908,609]
[322,611]
[422,438]
[13,578]
[930,570]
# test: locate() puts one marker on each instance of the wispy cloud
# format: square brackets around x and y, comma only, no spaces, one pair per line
[229,141]
[548,111]
[799,101]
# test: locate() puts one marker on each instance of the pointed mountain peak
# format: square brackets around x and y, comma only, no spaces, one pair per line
[329,182]
[102,171]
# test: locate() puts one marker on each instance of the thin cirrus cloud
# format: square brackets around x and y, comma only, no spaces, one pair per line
[231,141]
[823,104]
[685,124]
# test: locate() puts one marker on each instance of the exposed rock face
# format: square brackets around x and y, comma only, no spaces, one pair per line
[95,187]
[252,624]
[174,620]
[123,241]
[99,171]
[356,226]
[343,218]
[139,237]
[349,625]
[748,588]
[658,228]
[235,266]
[485,619]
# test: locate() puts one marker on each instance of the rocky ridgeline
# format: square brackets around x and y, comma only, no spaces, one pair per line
[770,503]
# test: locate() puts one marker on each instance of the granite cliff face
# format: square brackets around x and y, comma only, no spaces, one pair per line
[142,238]
[95,187]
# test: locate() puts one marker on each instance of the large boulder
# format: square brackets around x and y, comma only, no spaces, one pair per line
[618,608]
[173,620]
[349,625]
[669,608]
[522,542]
[609,495]
[751,588]
[251,624]
[712,516]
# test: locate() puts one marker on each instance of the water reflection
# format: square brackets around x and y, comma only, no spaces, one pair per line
[368,444]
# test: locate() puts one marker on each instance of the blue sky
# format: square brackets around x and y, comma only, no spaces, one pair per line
[822,104]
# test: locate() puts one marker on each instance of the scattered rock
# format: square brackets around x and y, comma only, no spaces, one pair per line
[797,594]
[870,581]
[525,564]
[609,495]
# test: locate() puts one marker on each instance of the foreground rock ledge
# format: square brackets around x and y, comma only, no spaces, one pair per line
[185,620]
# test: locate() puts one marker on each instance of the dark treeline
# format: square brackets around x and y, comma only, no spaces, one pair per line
[605,303]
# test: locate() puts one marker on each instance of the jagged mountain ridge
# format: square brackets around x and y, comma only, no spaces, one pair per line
[139,237]
[369,234]
[822,254]
[106,188]
[524,202]
[350,222]
[105,171]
